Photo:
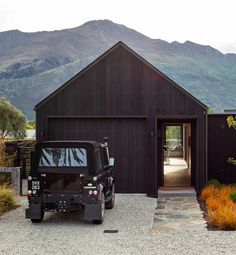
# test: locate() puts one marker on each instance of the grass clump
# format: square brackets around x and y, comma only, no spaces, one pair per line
[214,182]
[7,199]
[232,196]
[224,217]
[220,207]
[208,191]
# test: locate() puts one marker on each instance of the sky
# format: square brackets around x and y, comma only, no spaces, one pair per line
[208,22]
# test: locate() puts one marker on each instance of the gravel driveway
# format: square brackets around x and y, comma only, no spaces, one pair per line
[132,217]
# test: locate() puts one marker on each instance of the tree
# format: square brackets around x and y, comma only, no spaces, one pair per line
[12,120]
[173,135]
[31,125]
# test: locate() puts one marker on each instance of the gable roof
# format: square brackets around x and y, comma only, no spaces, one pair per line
[120,44]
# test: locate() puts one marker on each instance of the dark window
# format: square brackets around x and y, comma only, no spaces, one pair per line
[63,157]
[99,160]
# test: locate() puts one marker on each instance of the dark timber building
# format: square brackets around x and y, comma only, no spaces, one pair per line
[122,96]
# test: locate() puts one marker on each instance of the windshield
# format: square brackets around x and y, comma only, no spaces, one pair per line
[63,157]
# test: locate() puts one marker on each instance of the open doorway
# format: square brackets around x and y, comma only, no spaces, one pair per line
[177,154]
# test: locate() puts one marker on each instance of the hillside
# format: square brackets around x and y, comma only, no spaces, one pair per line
[32,65]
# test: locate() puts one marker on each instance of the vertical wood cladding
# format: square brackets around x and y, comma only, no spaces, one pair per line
[128,144]
[120,83]
[221,146]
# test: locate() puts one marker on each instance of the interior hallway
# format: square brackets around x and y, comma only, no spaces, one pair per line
[176,173]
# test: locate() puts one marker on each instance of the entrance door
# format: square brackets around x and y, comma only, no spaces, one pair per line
[175,151]
[177,147]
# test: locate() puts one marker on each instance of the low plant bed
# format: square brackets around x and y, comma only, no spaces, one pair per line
[217,203]
[7,199]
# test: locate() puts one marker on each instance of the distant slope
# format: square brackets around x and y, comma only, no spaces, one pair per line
[32,65]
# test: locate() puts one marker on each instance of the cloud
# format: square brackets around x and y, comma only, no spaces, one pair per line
[227,47]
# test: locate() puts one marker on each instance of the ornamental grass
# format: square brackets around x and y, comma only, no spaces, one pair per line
[220,208]
[7,199]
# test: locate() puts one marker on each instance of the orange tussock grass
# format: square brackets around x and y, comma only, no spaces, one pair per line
[208,192]
[212,204]
[221,209]
[224,217]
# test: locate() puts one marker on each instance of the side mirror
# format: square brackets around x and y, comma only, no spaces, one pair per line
[111,161]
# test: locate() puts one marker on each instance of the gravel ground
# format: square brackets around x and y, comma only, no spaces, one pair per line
[132,217]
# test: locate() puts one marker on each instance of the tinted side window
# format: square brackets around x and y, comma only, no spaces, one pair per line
[105,159]
[99,163]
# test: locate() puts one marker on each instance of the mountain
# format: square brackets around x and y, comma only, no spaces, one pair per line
[32,65]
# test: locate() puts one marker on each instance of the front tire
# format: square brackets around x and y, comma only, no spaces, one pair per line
[110,203]
[100,221]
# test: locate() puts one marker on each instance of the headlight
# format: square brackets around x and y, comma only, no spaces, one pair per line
[29,178]
[34,192]
[29,192]
[90,192]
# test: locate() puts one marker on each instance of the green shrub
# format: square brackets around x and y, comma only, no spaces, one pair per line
[214,182]
[232,196]
[7,199]
[6,160]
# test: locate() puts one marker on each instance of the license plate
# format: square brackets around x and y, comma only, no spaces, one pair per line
[36,185]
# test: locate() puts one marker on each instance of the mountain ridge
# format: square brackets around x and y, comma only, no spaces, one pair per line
[42,61]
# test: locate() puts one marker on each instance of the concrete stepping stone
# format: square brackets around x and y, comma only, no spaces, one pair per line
[160,206]
[177,212]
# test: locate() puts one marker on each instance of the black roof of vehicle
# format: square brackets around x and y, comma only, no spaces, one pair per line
[68,142]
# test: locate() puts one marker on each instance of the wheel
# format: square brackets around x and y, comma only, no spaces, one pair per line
[110,203]
[100,221]
[38,220]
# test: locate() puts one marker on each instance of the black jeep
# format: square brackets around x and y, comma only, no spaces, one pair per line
[69,175]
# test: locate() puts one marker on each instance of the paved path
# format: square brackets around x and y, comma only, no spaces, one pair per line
[176,213]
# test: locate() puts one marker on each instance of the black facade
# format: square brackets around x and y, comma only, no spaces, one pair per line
[122,96]
[221,146]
